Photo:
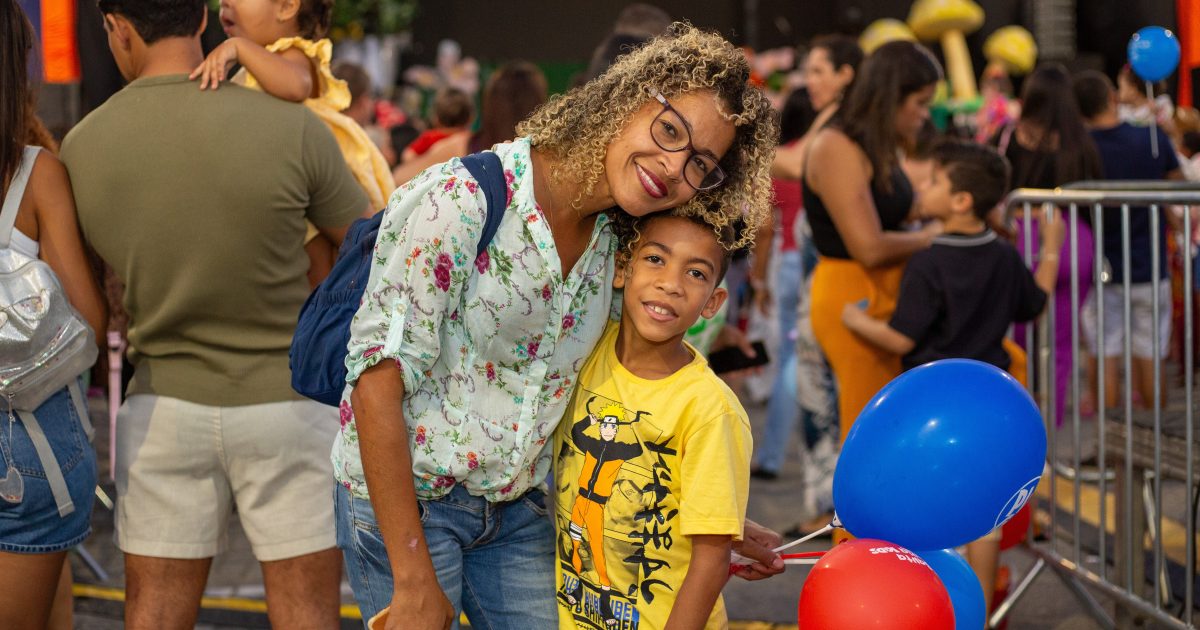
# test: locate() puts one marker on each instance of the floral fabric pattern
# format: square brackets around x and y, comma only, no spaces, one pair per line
[489,347]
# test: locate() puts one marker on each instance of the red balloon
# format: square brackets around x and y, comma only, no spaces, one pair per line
[865,583]
[1015,529]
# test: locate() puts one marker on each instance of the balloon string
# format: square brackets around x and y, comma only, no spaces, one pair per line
[1153,120]
[804,554]
[802,561]
[819,532]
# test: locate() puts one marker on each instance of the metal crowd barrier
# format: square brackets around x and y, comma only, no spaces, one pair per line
[1120,556]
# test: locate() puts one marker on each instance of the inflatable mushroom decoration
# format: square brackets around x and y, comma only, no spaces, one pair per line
[948,21]
[883,31]
[1012,47]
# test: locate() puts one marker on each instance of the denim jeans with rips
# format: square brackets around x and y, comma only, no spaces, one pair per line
[494,561]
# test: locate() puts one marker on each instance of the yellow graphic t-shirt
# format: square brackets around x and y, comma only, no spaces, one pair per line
[641,465]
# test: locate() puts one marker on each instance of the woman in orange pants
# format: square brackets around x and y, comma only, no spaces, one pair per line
[857,199]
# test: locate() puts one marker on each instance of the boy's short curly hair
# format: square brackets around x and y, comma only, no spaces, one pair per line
[578,126]
[727,236]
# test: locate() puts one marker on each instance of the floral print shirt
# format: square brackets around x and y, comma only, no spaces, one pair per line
[489,347]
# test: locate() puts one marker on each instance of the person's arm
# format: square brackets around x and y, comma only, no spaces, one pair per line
[876,331]
[839,175]
[321,256]
[334,235]
[60,243]
[706,576]
[452,147]
[789,160]
[377,400]
[384,368]
[287,75]
[760,267]
[758,543]
[1053,235]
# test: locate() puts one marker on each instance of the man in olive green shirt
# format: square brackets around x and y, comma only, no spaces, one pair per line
[198,200]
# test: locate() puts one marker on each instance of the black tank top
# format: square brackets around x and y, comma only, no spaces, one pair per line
[893,208]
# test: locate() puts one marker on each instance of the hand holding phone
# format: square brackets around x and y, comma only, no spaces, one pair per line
[732,359]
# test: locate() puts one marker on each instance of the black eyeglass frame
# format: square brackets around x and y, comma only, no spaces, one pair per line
[687,146]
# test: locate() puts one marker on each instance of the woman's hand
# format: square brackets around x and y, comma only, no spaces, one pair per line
[932,230]
[216,66]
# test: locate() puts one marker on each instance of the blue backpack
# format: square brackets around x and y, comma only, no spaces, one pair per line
[318,354]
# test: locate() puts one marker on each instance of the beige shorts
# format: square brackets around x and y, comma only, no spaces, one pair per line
[1142,296]
[183,467]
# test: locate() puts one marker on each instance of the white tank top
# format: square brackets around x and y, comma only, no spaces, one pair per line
[19,241]
[23,244]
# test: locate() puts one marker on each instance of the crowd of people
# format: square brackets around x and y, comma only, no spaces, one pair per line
[530,433]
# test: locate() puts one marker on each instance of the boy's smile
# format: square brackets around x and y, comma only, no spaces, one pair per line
[670,280]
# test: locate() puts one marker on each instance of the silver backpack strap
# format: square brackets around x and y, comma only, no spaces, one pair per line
[16,191]
[54,476]
[50,465]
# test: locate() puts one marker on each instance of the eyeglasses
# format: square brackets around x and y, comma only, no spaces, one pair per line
[671,132]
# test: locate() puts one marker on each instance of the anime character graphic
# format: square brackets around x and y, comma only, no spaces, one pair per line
[603,458]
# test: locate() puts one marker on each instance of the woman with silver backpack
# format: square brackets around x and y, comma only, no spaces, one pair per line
[49,307]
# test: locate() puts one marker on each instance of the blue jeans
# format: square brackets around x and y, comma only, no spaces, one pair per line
[495,561]
[782,410]
[34,525]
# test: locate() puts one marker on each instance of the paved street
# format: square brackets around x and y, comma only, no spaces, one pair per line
[235,585]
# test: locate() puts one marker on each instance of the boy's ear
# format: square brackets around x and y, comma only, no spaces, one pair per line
[714,303]
[287,10]
[203,25]
[962,201]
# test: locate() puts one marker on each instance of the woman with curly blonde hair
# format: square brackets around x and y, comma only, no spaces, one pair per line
[445,443]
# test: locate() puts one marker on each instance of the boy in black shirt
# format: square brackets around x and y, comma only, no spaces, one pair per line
[959,297]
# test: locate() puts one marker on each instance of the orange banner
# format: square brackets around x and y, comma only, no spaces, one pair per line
[60,54]
[1188,14]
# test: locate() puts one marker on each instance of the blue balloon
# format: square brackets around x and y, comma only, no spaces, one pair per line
[942,455]
[966,594]
[1153,53]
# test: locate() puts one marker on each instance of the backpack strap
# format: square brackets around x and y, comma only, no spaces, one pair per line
[486,168]
[50,465]
[16,190]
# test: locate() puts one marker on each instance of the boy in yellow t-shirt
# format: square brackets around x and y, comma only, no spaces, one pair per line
[652,462]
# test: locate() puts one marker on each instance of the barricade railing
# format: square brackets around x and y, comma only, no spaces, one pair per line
[1136,452]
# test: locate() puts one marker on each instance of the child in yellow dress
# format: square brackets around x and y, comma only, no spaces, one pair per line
[282,49]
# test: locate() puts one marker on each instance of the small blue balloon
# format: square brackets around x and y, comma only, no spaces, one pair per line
[966,594]
[940,456]
[1154,53]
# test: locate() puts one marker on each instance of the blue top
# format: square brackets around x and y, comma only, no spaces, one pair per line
[1126,154]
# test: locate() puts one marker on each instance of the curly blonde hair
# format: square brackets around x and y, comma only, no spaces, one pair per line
[577,127]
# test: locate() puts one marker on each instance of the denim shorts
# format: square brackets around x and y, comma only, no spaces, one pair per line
[34,525]
[494,561]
